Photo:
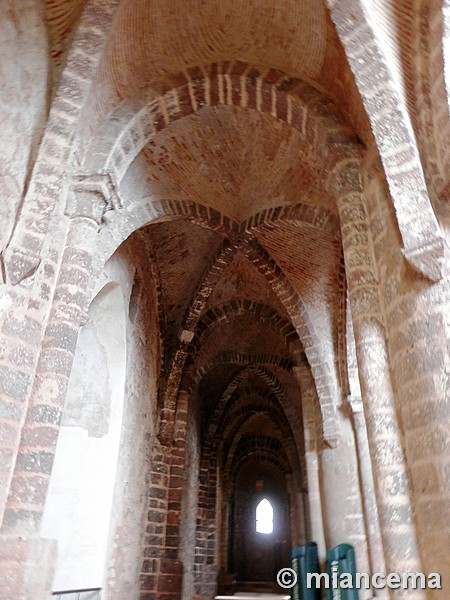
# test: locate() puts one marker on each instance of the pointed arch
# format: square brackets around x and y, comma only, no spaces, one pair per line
[264,517]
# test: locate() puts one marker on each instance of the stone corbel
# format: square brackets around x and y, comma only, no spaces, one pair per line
[91,196]
[331,437]
[355,404]
[431,259]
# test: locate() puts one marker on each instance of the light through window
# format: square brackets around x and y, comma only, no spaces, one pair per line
[264,517]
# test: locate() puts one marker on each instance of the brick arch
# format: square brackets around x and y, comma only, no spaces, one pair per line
[134,122]
[259,445]
[219,316]
[222,315]
[230,389]
[323,369]
[257,454]
[236,416]
[261,456]
[118,225]
[302,213]
[132,125]
[263,313]
[274,386]
[241,358]
[264,457]
[245,399]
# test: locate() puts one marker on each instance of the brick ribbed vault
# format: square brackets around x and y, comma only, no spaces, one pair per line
[229,134]
[324,138]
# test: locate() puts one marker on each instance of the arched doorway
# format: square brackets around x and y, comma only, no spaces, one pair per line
[259,528]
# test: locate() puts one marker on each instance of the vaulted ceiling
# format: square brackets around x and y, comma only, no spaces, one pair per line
[250,263]
[217,119]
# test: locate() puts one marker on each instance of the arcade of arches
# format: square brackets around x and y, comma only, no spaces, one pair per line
[224,243]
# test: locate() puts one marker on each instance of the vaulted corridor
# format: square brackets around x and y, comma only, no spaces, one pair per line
[225,302]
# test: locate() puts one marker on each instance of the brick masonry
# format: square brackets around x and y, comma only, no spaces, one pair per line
[237,170]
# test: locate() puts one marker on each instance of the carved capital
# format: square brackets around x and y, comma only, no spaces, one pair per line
[91,196]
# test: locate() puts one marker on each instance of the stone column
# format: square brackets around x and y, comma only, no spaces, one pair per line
[293,512]
[206,568]
[385,442]
[302,515]
[419,332]
[310,410]
[297,512]
[162,569]
[339,492]
[344,519]
[375,546]
[88,200]
[314,501]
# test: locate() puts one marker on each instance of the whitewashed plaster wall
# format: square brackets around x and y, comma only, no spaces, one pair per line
[79,502]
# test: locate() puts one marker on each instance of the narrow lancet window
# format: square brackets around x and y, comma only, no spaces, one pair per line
[264,517]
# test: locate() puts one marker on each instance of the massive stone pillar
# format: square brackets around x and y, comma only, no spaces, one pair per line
[189,503]
[385,441]
[355,406]
[314,501]
[419,332]
[335,500]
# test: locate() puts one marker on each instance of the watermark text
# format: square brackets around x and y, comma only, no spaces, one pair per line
[288,578]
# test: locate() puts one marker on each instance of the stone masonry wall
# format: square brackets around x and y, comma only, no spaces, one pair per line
[418,326]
